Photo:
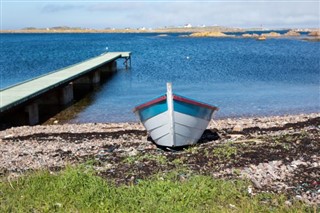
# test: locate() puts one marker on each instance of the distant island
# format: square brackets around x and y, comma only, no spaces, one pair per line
[66,29]
[203,31]
[173,29]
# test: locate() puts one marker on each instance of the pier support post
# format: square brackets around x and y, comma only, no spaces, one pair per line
[33,113]
[114,66]
[66,94]
[127,61]
[95,78]
[108,68]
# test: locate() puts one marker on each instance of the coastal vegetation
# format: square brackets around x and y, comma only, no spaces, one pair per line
[79,189]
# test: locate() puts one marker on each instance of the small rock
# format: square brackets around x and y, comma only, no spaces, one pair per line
[237,128]
[58,205]
[232,206]
[140,165]
[236,136]
[8,136]
[132,152]
[296,163]
[182,178]
[256,183]
[250,190]
[288,203]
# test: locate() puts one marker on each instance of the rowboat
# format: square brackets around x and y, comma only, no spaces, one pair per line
[173,120]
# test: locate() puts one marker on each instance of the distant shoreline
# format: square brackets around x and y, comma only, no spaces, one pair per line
[313,34]
[194,32]
[160,30]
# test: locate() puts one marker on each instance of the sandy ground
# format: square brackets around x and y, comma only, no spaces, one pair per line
[277,154]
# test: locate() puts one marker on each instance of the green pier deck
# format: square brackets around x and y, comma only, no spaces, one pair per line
[20,93]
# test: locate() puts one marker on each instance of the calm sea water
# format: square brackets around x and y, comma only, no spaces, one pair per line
[243,77]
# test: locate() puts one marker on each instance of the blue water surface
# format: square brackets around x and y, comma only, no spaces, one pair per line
[243,77]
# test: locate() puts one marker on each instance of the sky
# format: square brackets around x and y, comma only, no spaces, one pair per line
[18,14]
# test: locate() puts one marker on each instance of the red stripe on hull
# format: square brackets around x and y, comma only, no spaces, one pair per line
[157,100]
[189,101]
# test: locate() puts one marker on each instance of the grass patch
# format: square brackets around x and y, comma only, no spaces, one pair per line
[225,151]
[192,149]
[146,157]
[80,190]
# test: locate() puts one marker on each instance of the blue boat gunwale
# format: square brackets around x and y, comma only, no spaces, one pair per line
[149,103]
[193,102]
[177,98]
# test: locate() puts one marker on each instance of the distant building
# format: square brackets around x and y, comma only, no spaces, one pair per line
[187,26]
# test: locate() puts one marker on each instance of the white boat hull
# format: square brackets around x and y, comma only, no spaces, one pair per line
[188,129]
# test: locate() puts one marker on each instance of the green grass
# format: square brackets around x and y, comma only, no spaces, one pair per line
[225,151]
[80,190]
[137,158]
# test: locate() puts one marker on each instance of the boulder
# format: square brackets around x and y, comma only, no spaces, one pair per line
[248,35]
[261,38]
[237,128]
[271,34]
[208,34]
[292,33]
[314,33]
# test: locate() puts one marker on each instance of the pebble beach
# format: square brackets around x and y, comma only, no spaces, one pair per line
[276,153]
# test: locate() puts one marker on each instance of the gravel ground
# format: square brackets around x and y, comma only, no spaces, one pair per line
[278,154]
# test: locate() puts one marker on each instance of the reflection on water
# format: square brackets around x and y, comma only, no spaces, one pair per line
[71,112]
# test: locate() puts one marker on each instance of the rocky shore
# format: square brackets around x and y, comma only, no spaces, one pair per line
[312,36]
[277,154]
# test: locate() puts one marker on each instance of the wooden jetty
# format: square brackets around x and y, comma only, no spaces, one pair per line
[26,102]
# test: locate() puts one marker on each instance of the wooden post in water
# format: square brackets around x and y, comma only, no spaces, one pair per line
[66,94]
[33,113]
